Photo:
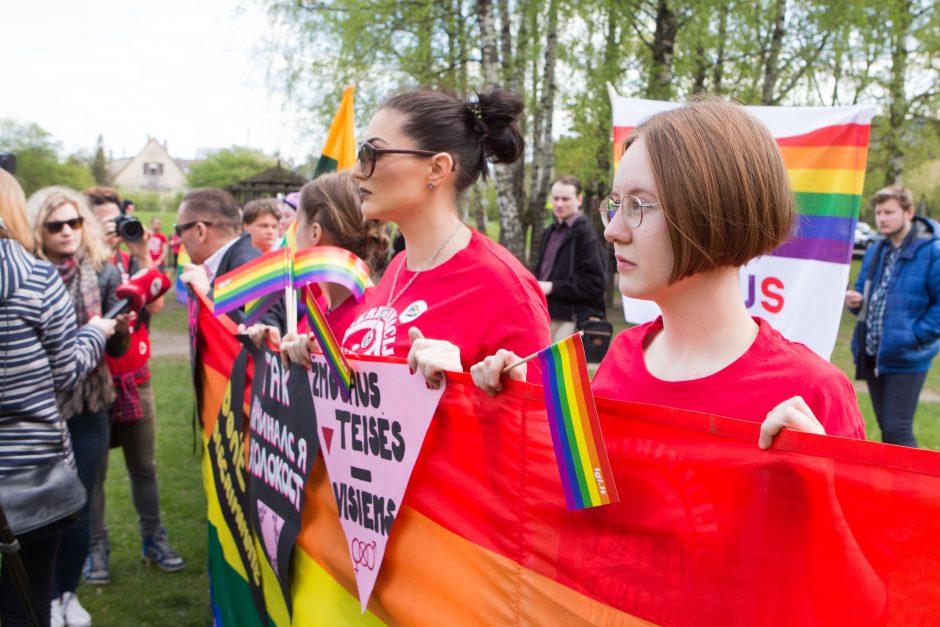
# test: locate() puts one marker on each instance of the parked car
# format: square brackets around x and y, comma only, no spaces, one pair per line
[865,236]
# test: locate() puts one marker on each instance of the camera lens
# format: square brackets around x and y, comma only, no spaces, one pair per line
[130,229]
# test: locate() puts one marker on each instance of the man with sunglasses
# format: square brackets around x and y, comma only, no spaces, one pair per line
[571,264]
[209,224]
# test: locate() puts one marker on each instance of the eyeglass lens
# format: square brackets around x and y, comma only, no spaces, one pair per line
[57,225]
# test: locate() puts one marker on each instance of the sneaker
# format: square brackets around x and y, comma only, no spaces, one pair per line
[56,613]
[96,568]
[75,614]
[157,549]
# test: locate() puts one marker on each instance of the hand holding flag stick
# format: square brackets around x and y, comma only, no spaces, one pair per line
[583,465]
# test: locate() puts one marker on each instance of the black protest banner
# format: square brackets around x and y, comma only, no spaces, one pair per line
[283,445]
[226,449]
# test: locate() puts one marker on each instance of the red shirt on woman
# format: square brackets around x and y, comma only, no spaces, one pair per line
[482,299]
[772,370]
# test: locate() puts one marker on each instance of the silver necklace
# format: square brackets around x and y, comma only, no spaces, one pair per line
[392,297]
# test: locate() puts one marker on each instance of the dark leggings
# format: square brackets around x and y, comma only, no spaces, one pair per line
[38,553]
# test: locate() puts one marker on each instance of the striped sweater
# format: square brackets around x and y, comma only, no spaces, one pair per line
[41,352]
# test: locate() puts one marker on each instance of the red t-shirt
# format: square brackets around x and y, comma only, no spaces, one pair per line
[156,244]
[339,318]
[772,370]
[138,352]
[482,299]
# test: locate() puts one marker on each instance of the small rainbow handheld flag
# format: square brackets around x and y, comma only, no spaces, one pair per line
[182,258]
[339,367]
[329,264]
[576,431]
[260,277]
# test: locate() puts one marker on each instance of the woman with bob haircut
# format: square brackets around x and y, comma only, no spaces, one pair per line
[701,190]
[67,234]
[422,150]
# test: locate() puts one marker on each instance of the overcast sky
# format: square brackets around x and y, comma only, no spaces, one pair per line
[189,72]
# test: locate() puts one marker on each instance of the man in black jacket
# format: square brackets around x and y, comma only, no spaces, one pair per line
[209,224]
[571,267]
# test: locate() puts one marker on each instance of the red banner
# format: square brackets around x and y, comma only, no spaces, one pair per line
[710,529]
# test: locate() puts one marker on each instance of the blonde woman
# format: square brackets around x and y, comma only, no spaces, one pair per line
[42,352]
[67,234]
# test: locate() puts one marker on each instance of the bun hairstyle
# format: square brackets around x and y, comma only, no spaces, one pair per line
[332,201]
[483,129]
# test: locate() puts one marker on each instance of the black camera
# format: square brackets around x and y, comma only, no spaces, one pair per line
[128,228]
[8,162]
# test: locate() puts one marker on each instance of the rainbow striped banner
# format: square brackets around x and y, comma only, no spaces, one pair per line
[182,258]
[258,278]
[576,432]
[339,367]
[255,309]
[329,264]
[800,286]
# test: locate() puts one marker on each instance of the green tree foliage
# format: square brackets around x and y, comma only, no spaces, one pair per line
[38,163]
[774,52]
[227,167]
[99,167]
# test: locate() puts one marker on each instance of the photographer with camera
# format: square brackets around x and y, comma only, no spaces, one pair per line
[133,419]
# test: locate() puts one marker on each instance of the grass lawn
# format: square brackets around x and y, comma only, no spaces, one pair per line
[142,595]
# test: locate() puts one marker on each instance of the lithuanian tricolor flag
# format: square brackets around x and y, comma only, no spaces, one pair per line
[339,152]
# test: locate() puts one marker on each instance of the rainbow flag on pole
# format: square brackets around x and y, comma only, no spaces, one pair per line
[339,152]
[339,367]
[576,432]
[329,264]
[266,275]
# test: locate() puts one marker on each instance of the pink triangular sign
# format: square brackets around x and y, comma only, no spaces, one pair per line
[379,432]
[327,438]
[271,525]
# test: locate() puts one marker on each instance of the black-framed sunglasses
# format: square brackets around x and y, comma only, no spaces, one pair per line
[630,207]
[367,154]
[56,226]
[179,229]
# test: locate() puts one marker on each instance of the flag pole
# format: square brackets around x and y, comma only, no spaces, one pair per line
[529,358]
[290,295]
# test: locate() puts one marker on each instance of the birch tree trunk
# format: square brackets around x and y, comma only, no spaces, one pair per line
[511,234]
[659,86]
[543,148]
[897,98]
[772,60]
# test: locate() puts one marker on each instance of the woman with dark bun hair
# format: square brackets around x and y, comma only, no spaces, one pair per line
[422,150]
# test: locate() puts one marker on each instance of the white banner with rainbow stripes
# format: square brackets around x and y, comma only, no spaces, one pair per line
[798,288]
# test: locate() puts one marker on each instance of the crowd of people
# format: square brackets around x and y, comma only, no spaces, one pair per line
[701,190]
